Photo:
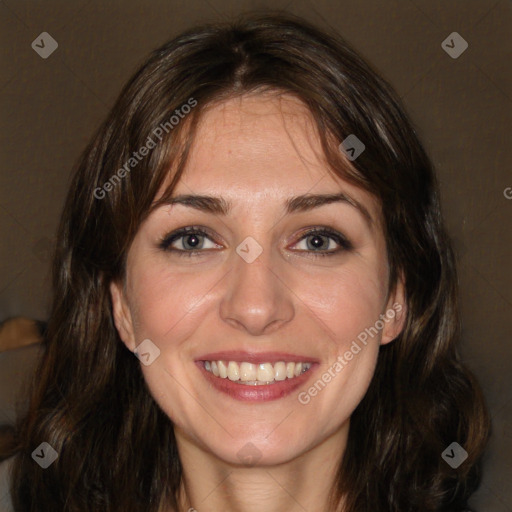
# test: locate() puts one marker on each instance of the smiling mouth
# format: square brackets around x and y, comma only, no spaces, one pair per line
[251,374]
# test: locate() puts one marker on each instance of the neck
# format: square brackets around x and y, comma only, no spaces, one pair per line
[304,483]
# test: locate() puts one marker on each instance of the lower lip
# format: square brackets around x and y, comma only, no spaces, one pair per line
[258,393]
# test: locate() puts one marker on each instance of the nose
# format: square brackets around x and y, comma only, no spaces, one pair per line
[257,299]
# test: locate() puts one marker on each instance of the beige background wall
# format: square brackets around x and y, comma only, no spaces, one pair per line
[462,107]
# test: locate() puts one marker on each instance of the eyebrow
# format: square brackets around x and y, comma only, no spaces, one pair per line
[296,204]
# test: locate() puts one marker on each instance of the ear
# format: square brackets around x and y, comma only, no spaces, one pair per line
[122,315]
[395,314]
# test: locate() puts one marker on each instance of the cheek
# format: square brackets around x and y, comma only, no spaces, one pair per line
[164,303]
[348,301]
[166,308]
[347,306]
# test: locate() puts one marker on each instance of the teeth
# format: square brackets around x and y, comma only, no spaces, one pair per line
[223,370]
[248,372]
[256,374]
[233,371]
[265,372]
[280,371]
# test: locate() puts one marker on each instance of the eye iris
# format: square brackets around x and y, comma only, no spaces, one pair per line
[316,241]
[191,241]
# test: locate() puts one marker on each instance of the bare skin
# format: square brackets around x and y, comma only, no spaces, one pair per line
[256,152]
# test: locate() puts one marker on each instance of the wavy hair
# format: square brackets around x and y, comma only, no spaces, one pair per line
[117,449]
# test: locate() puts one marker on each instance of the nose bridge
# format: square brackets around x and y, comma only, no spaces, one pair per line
[256,299]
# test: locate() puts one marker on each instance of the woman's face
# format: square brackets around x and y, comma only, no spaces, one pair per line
[265,279]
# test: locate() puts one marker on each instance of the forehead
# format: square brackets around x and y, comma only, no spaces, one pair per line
[249,111]
[273,135]
[261,147]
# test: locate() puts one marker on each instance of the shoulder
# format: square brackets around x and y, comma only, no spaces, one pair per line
[5,481]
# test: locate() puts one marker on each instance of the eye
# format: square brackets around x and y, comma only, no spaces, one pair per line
[193,240]
[323,242]
[188,241]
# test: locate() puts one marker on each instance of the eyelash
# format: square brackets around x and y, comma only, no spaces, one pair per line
[165,243]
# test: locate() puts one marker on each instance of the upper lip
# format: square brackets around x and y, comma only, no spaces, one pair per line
[256,357]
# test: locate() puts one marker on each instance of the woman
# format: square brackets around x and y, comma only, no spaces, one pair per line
[257,222]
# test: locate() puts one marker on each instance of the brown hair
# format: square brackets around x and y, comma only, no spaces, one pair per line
[116,448]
